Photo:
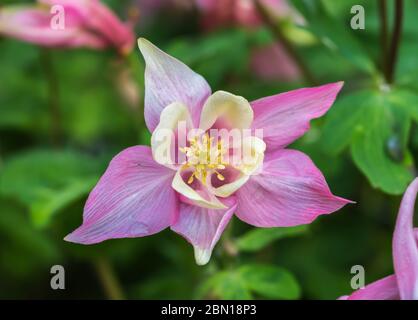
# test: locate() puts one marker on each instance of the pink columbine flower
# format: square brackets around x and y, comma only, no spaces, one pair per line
[403,284]
[141,193]
[84,23]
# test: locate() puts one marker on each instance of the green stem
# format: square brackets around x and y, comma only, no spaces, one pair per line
[133,63]
[396,39]
[53,93]
[280,37]
[108,279]
[230,253]
[384,35]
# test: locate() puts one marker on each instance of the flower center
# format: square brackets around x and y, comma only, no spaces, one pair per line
[204,157]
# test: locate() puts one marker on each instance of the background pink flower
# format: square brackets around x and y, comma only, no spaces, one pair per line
[216,13]
[271,62]
[88,23]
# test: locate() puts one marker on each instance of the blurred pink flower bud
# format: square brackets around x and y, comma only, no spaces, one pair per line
[67,24]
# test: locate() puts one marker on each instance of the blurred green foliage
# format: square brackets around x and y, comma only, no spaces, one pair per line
[366,146]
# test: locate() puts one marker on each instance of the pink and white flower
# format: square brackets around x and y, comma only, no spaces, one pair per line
[141,193]
[86,23]
[403,284]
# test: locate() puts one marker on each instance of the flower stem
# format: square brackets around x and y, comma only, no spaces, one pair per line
[396,39]
[53,93]
[280,37]
[108,279]
[384,35]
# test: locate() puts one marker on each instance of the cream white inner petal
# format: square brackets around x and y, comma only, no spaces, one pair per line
[225,110]
[163,140]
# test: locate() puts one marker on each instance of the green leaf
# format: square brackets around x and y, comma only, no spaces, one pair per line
[407,65]
[344,118]
[216,55]
[270,281]
[369,153]
[342,41]
[163,286]
[49,201]
[228,285]
[340,8]
[258,238]
[299,36]
[23,249]
[406,100]
[21,111]
[47,181]
[375,124]
[265,280]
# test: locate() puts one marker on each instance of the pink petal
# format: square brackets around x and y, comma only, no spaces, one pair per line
[133,198]
[217,13]
[383,289]
[405,251]
[203,227]
[168,80]
[33,25]
[100,19]
[79,6]
[289,191]
[285,117]
[107,24]
[273,63]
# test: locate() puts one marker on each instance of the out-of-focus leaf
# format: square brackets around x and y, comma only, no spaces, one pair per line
[93,109]
[258,238]
[21,111]
[407,64]
[265,280]
[163,286]
[323,260]
[298,35]
[406,100]
[324,16]
[342,42]
[215,55]
[23,249]
[270,281]
[226,285]
[46,181]
[341,8]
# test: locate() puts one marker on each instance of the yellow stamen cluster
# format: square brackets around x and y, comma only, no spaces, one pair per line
[204,157]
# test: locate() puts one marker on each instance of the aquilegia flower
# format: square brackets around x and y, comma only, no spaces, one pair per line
[67,24]
[404,283]
[142,193]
